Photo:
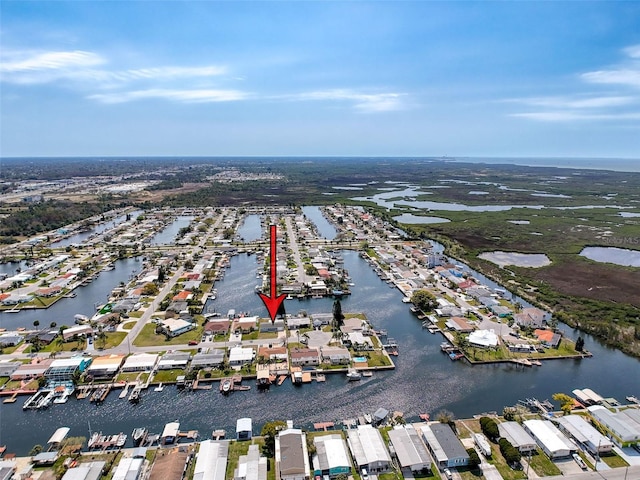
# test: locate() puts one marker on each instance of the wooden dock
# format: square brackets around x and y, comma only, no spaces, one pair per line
[323,426]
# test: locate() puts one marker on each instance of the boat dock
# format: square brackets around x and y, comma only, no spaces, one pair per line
[324,426]
[98,441]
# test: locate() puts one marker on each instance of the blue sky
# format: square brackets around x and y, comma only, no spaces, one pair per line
[320,78]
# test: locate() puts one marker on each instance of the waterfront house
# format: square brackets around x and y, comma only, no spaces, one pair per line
[172,360]
[332,456]
[459,324]
[251,466]
[291,455]
[85,471]
[49,291]
[445,447]
[323,318]
[217,327]
[368,449]
[105,367]
[277,354]
[244,429]
[211,460]
[585,434]
[335,355]
[212,358]
[169,464]
[623,426]
[548,338]
[409,449]
[63,369]
[241,355]
[183,296]
[517,436]
[140,362]
[31,370]
[501,311]
[531,317]
[244,324]
[296,323]
[305,357]
[483,338]
[272,326]
[549,438]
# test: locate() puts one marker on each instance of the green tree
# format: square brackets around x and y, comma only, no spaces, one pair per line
[338,316]
[444,416]
[36,323]
[423,300]
[269,432]
[35,450]
[474,459]
[580,344]
[566,402]
[150,289]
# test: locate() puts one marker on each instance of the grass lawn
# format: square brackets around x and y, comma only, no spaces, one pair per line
[113,339]
[505,470]
[235,450]
[129,325]
[614,461]
[136,314]
[132,376]
[15,384]
[543,466]
[267,335]
[65,346]
[149,338]
[375,358]
[167,376]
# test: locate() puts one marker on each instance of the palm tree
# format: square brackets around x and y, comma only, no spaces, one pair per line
[36,323]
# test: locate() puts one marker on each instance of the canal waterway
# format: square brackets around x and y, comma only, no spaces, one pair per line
[87,298]
[168,235]
[425,380]
[324,228]
[251,228]
[79,238]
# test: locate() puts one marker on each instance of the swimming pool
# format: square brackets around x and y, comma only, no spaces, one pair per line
[360,359]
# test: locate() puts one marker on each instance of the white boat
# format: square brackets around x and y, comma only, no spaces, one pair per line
[159,388]
[353,375]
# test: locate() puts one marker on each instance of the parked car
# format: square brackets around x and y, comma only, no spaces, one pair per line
[447,473]
[193,342]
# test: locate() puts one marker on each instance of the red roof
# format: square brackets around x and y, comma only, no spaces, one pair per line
[544,335]
[183,295]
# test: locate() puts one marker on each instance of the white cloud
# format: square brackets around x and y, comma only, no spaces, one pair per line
[363,102]
[569,116]
[620,103]
[79,66]
[30,61]
[628,73]
[184,96]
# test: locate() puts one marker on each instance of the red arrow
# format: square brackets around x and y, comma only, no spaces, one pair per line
[273,301]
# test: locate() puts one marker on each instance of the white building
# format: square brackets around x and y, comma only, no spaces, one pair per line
[332,456]
[585,434]
[623,428]
[445,448]
[549,438]
[140,362]
[409,449]
[241,355]
[483,338]
[128,469]
[517,436]
[211,461]
[368,449]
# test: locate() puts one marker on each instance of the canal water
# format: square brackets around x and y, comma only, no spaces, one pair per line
[325,229]
[251,228]
[87,298]
[79,238]
[425,380]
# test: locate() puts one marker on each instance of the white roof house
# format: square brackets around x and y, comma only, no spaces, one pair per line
[211,461]
[368,449]
[444,445]
[549,438]
[85,471]
[623,429]
[172,360]
[251,466]
[140,362]
[585,434]
[409,449]
[517,436]
[483,338]
[241,355]
[332,456]
[244,429]
[128,469]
